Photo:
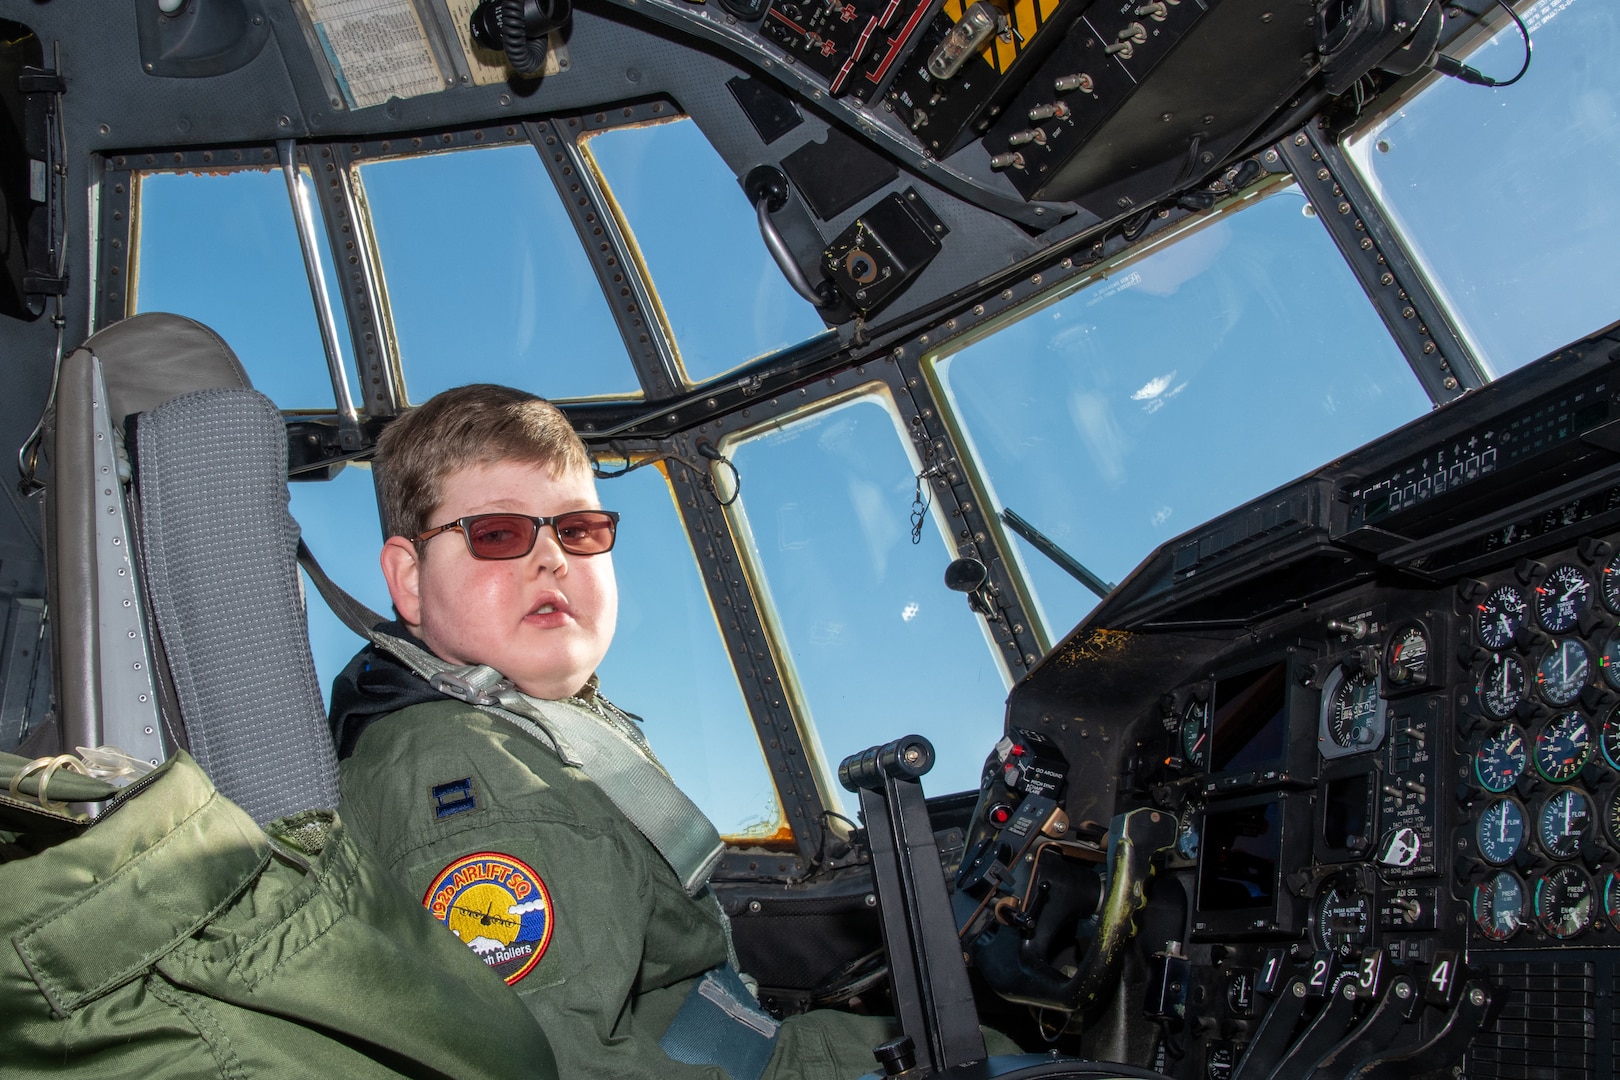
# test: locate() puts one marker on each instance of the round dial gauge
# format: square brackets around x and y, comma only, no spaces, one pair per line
[1499,761]
[1500,831]
[1610,739]
[1355,720]
[1341,915]
[1564,902]
[1195,734]
[1611,897]
[1609,661]
[1499,906]
[1562,823]
[1612,819]
[1501,686]
[1501,616]
[1561,674]
[1187,838]
[1563,747]
[1561,598]
[1406,660]
[1611,584]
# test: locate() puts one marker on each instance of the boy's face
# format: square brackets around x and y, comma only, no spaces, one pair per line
[544,620]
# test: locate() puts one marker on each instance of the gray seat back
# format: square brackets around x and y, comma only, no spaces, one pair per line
[220,562]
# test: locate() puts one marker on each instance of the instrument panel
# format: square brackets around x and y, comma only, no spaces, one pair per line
[1391,754]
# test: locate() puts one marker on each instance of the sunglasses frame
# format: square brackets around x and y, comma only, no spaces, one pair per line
[461,524]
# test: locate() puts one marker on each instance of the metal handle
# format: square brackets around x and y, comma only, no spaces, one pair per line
[767,189]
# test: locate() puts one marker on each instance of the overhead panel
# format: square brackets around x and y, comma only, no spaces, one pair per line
[854,44]
[948,113]
[1154,92]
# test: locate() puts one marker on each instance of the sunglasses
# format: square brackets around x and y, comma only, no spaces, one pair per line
[511,536]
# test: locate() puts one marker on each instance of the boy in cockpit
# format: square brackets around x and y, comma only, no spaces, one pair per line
[482,763]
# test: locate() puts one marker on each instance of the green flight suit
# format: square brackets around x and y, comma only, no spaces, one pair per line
[439,783]
[174,938]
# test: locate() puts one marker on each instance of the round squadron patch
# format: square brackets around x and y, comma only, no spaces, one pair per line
[498,906]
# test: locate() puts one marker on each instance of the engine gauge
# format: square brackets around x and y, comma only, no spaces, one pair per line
[1501,686]
[1609,661]
[1611,584]
[1355,718]
[1561,598]
[1609,740]
[1341,914]
[1499,906]
[1500,831]
[1612,818]
[1611,897]
[1563,747]
[1562,671]
[1563,822]
[1195,734]
[1499,761]
[1564,902]
[1406,657]
[1501,616]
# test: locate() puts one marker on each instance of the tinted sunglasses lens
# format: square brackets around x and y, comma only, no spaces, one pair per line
[500,536]
[588,532]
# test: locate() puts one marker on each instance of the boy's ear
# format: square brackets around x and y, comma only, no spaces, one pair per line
[402,568]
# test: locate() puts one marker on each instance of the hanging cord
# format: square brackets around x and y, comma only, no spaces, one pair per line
[1446,65]
[28,452]
[707,450]
[919,504]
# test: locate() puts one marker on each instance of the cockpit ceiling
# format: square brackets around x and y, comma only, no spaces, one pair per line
[1087,106]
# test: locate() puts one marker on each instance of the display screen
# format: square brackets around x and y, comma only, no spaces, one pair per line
[1251,719]
[1242,850]
[1344,812]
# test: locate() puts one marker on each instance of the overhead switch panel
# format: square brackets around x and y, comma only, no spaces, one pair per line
[856,45]
[946,112]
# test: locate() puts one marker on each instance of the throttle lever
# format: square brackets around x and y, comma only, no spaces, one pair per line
[1475,1006]
[1326,1030]
[1376,1032]
[1276,1031]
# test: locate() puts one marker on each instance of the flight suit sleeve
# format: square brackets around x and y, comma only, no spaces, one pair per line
[528,863]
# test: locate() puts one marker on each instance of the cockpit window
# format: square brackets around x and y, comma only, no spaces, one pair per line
[1229,361]
[879,647]
[725,300]
[247,282]
[1506,196]
[668,663]
[486,279]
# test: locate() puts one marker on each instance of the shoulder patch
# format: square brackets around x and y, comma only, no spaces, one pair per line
[453,798]
[498,907]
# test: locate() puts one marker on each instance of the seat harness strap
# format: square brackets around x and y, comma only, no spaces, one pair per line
[602,742]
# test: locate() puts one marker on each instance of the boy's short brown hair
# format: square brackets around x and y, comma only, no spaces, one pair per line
[479,424]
